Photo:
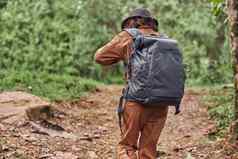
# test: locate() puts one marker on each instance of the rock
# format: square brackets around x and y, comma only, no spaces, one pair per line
[51,132]
[29,138]
[92,155]
[14,104]
[75,148]
[46,156]
[44,112]
[2,127]
[1,148]
[87,138]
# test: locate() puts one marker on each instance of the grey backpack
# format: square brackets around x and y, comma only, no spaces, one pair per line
[155,71]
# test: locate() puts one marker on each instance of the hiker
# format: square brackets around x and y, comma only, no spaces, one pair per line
[142,122]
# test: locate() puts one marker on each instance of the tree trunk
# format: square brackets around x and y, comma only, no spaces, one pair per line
[233,21]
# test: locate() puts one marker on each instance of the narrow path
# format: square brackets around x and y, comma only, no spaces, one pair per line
[93,123]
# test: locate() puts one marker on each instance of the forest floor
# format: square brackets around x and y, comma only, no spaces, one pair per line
[88,129]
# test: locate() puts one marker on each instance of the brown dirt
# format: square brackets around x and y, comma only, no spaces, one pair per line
[91,131]
[14,104]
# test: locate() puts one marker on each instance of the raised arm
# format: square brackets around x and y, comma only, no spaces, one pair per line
[114,51]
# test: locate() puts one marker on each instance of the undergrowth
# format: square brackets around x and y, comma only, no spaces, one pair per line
[219,101]
[51,86]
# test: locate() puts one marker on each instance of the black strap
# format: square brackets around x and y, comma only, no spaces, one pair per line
[120,110]
[177,108]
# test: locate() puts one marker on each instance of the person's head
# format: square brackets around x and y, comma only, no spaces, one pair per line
[140,17]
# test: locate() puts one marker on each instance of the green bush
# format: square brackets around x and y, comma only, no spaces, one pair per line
[61,37]
[45,35]
[52,86]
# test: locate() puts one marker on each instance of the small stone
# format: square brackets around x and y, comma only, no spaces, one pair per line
[2,127]
[75,148]
[96,136]
[5,148]
[92,155]
[45,156]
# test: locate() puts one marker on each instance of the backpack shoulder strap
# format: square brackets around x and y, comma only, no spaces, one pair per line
[137,37]
[134,32]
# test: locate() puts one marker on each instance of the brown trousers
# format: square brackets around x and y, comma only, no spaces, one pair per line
[141,130]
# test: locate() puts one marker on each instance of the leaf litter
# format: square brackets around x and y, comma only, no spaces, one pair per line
[88,129]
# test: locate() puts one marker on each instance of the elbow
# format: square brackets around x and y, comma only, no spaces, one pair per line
[97,59]
[104,57]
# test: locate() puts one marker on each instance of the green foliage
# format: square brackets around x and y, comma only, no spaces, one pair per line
[218,6]
[38,35]
[52,86]
[61,37]
[204,76]
[220,105]
[196,28]
[98,23]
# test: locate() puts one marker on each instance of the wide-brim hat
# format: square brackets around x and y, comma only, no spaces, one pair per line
[139,12]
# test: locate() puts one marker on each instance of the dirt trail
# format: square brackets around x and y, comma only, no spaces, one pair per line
[92,122]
